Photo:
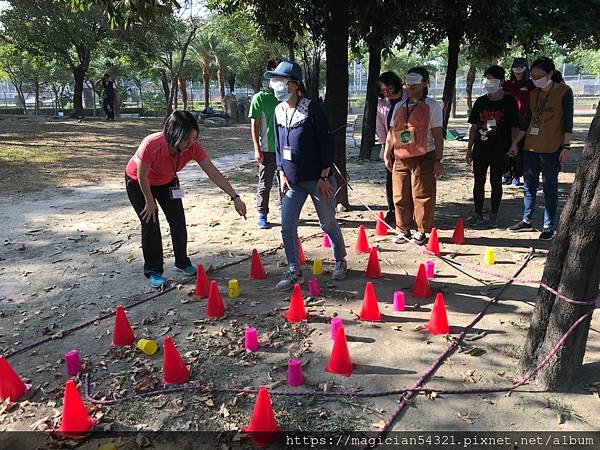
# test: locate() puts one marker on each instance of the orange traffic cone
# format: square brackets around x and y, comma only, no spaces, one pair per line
[215,308]
[297,311]
[370,308]
[380,226]
[438,322]
[257,271]
[122,334]
[373,267]
[339,361]
[434,244]
[262,428]
[458,237]
[11,385]
[75,418]
[174,369]
[421,287]
[362,244]
[201,283]
[301,257]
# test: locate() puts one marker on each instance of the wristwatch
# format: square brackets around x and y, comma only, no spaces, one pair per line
[235,196]
[325,178]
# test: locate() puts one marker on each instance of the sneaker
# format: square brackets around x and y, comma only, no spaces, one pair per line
[493,220]
[190,270]
[340,270]
[156,280]
[475,220]
[402,238]
[521,226]
[506,180]
[419,238]
[547,234]
[288,280]
[516,182]
[262,222]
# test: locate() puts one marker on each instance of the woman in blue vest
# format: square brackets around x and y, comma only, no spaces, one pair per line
[305,157]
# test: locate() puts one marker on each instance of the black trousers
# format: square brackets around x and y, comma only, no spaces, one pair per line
[108,105]
[151,237]
[389,192]
[514,164]
[480,169]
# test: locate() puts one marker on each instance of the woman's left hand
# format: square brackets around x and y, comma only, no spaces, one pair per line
[325,188]
[563,157]
[240,207]
[438,169]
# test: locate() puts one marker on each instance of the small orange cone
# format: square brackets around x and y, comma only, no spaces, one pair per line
[362,244]
[434,244]
[174,369]
[75,418]
[421,287]
[257,271]
[297,311]
[122,333]
[11,385]
[301,257]
[339,361]
[201,283]
[438,322]
[262,428]
[380,226]
[370,308]
[373,267]
[215,308]
[458,237]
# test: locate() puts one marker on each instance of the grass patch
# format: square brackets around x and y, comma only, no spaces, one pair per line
[12,154]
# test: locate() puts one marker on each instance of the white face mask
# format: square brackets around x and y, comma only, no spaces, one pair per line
[491,86]
[542,82]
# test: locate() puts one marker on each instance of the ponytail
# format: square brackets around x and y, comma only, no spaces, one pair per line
[557,77]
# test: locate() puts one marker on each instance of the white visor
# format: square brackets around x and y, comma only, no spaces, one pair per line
[413,78]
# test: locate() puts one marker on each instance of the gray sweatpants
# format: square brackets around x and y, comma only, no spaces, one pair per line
[266,172]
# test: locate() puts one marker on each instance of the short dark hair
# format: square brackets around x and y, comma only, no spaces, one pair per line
[273,63]
[177,127]
[106,75]
[391,79]
[496,71]
[424,73]
[547,65]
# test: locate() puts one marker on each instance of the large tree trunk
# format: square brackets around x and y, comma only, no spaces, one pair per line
[183,90]
[79,78]
[336,100]
[206,81]
[166,89]
[450,84]
[470,81]
[367,139]
[573,269]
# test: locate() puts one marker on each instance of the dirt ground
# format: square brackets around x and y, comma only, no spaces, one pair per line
[71,252]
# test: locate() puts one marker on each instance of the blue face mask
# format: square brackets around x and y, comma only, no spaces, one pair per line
[282,94]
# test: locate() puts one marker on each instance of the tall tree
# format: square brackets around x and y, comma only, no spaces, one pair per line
[52,29]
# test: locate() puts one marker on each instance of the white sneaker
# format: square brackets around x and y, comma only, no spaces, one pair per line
[402,238]
[340,270]
[288,280]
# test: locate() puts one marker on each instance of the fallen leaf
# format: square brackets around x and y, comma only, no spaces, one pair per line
[130,258]
[214,223]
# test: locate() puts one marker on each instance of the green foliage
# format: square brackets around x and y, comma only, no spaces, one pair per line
[587,61]
[124,13]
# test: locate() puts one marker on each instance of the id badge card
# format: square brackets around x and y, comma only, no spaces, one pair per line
[491,123]
[407,136]
[287,152]
[176,192]
[534,131]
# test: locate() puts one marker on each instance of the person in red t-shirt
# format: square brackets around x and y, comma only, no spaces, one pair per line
[519,86]
[151,177]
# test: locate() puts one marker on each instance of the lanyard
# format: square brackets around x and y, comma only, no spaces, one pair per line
[540,107]
[409,112]
[175,167]
[289,124]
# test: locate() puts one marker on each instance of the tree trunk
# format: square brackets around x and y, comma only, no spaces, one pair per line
[36,82]
[454,104]
[139,86]
[183,90]
[336,100]
[573,269]
[470,81]
[164,81]
[206,81]
[291,51]
[450,83]
[370,112]
[79,77]
[312,69]
[221,78]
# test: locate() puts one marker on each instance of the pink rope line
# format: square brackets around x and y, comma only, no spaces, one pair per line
[455,264]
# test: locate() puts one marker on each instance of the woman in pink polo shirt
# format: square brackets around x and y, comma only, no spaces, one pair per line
[151,177]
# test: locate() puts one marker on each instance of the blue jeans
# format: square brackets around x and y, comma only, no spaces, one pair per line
[549,165]
[291,207]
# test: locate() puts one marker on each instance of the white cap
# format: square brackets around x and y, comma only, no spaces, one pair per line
[414,78]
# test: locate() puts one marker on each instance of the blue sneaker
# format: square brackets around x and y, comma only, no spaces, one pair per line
[516,182]
[190,270]
[156,280]
[506,180]
[262,222]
